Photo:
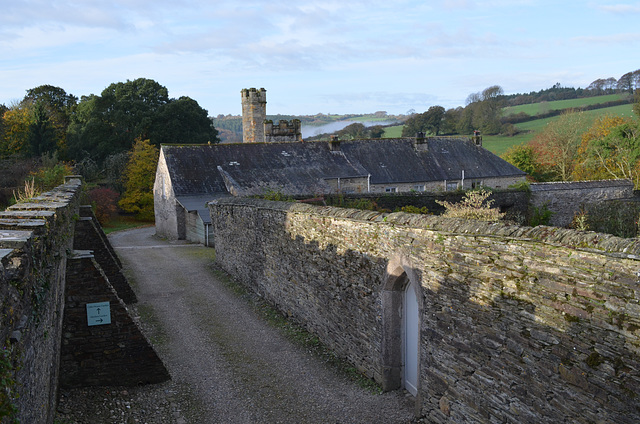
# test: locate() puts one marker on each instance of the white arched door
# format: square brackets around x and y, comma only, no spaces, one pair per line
[411,318]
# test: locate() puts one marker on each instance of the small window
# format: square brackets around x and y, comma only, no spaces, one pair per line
[391,189]
[452,186]
[418,187]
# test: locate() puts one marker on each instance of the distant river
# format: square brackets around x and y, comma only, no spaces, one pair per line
[313,130]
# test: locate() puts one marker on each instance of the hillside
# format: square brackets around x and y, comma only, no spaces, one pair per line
[499,144]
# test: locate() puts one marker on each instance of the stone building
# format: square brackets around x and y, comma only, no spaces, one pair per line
[188,176]
[256,128]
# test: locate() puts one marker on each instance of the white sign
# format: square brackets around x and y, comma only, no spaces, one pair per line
[98,313]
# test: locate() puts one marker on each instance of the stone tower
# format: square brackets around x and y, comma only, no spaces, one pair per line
[254,113]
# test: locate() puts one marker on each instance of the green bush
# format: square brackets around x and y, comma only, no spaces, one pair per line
[540,216]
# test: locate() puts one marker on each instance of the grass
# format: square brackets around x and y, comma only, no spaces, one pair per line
[536,108]
[499,144]
[123,222]
[393,132]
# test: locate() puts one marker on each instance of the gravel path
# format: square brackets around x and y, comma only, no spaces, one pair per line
[227,364]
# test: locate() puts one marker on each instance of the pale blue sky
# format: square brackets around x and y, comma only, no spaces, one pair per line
[332,56]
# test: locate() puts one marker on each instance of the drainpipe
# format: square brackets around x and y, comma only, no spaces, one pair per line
[462,179]
[369,183]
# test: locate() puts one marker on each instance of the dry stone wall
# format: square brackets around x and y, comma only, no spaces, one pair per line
[42,282]
[34,239]
[565,199]
[517,324]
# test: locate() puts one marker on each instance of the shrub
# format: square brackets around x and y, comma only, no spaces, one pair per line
[474,205]
[277,196]
[414,209]
[540,216]
[105,203]
[580,221]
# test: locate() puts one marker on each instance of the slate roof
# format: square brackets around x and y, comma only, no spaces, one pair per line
[198,203]
[440,158]
[303,167]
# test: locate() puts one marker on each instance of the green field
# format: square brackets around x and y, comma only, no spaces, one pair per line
[393,132]
[536,108]
[499,144]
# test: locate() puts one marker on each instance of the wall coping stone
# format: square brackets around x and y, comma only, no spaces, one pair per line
[14,238]
[574,185]
[27,214]
[578,240]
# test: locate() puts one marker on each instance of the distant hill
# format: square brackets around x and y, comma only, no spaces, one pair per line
[230,126]
[499,144]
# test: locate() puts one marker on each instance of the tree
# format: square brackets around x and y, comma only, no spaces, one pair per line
[428,122]
[625,83]
[104,202]
[487,114]
[376,131]
[523,158]
[353,131]
[183,121]
[57,106]
[556,146]
[110,123]
[138,180]
[433,119]
[450,120]
[483,111]
[16,125]
[42,134]
[612,149]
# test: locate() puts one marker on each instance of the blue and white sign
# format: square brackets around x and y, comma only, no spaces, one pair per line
[98,313]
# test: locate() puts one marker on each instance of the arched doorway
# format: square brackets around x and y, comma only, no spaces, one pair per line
[401,305]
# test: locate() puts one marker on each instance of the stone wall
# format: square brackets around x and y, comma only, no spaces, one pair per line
[514,202]
[284,131]
[517,324]
[34,239]
[565,199]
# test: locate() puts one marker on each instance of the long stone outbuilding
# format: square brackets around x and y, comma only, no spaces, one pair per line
[514,324]
[188,176]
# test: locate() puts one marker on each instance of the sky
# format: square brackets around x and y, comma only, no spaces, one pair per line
[322,56]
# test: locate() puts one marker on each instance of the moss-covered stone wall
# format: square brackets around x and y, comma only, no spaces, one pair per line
[517,324]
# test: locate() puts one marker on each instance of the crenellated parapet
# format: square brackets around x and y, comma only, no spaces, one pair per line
[283,131]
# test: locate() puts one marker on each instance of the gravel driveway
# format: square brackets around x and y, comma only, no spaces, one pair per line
[228,365]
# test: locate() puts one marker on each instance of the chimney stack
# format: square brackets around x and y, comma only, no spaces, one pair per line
[334,144]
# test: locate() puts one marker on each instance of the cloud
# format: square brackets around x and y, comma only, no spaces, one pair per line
[622,9]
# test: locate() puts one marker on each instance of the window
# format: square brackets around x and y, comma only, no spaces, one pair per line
[452,186]
[418,187]
[391,189]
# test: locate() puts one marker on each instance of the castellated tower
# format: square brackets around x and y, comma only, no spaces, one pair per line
[254,113]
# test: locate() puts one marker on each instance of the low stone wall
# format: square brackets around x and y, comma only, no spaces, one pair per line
[565,199]
[517,324]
